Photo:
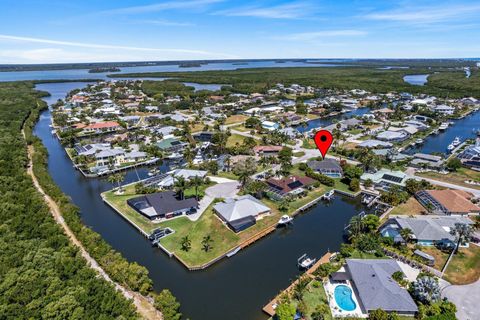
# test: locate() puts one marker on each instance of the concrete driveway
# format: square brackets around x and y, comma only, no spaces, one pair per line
[225,188]
[466,298]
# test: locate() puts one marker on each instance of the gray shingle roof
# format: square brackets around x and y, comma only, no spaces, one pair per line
[434,228]
[375,286]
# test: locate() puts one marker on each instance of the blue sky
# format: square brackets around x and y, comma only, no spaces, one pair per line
[35,31]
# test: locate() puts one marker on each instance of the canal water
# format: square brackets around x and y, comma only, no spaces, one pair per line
[323,122]
[464,128]
[235,288]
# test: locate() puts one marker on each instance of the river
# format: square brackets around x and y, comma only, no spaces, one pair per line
[323,122]
[235,288]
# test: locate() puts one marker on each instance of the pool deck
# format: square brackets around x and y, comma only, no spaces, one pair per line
[337,311]
[269,308]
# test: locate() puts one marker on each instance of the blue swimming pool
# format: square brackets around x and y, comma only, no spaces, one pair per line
[343,298]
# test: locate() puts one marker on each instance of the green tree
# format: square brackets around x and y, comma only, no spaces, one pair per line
[378,314]
[371,222]
[285,311]
[196,182]
[453,164]
[244,169]
[285,158]
[168,305]
[406,234]
[186,243]
[180,185]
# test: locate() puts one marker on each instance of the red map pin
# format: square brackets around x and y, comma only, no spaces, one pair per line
[323,140]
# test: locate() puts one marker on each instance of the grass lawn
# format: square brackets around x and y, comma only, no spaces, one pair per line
[299,202]
[465,266]
[227,174]
[242,128]
[411,207]
[457,177]
[237,118]
[299,154]
[197,127]
[308,144]
[223,238]
[313,297]
[312,116]
[234,139]
[440,256]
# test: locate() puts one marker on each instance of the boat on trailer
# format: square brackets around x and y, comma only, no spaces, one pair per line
[285,220]
[305,262]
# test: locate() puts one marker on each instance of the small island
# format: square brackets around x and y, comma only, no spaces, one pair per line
[103,70]
[190,65]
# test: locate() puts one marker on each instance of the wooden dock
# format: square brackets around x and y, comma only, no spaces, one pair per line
[269,307]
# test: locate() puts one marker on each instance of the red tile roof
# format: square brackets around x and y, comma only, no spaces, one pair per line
[101,125]
[258,149]
[455,200]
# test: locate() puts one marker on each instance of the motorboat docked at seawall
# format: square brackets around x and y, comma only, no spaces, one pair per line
[456,141]
[153,172]
[284,220]
[329,195]
[419,141]
[305,262]
[450,147]
[443,126]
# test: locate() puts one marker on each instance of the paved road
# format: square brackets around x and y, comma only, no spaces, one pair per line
[466,298]
[476,192]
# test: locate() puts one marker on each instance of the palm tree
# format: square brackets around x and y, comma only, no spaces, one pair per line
[188,155]
[180,186]
[406,234]
[186,243]
[116,178]
[462,232]
[206,243]
[196,181]
[355,226]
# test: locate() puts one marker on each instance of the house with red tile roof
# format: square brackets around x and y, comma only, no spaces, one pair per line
[264,151]
[449,202]
[101,127]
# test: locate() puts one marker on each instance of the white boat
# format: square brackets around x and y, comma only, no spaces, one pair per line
[329,195]
[153,172]
[305,262]
[450,147]
[419,141]
[284,220]
[456,141]
[443,126]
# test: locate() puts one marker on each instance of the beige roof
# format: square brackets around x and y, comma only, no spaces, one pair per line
[455,200]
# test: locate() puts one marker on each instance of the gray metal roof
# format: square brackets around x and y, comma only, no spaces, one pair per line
[244,206]
[376,288]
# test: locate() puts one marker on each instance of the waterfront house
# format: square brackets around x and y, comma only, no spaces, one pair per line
[293,185]
[375,288]
[443,109]
[168,180]
[240,213]
[422,160]
[427,230]
[374,144]
[448,202]
[171,145]
[101,127]
[470,156]
[328,167]
[270,125]
[115,156]
[384,179]
[164,204]
[392,136]
[90,149]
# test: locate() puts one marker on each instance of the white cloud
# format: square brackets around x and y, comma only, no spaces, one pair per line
[308,36]
[424,15]
[163,6]
[106,46]
[49,51]
[294,10]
